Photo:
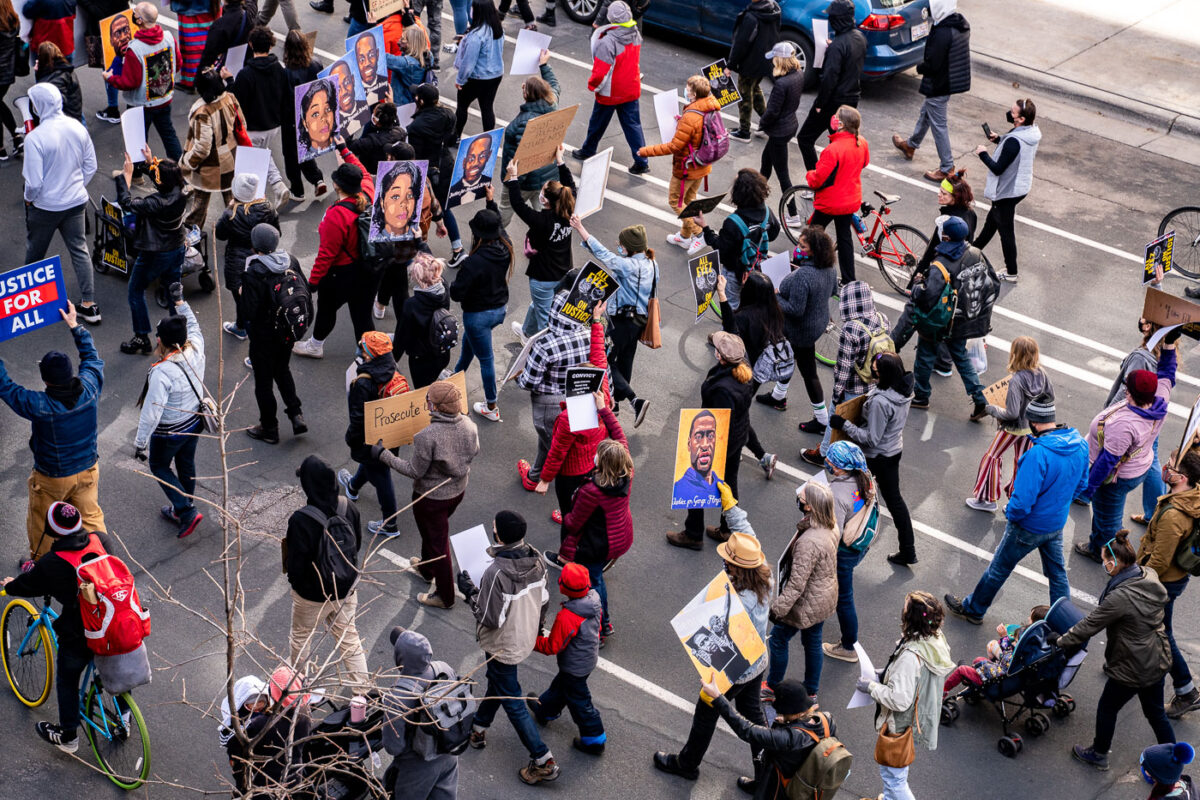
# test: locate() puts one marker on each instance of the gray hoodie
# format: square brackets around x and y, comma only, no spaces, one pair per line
[1024,387]
[1140,358]
[884,414]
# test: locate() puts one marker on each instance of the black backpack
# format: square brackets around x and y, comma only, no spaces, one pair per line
[374,256]
[443,331]
[336,559]
[293,305]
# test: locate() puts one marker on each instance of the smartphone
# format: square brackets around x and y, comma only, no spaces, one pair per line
[987,131]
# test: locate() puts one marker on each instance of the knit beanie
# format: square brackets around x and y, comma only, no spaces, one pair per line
[56,369]
[375,343]
[62,519]
[245,187]
[172,331]
[574,581]
[1040,410]
[619,13]
[952,228]
[791,698]
[510,527]
[1142,385]
[264,238]
[348,178]
[633,239]
[444,396]
[1164,762]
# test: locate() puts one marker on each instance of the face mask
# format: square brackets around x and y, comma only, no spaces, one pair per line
[362,355]
[835,124]
[1008,116]
[829,470]
[542,200]
[621,249]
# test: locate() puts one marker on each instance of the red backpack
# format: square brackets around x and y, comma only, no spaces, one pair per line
[114,621]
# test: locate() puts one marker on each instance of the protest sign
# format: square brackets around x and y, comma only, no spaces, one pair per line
[777,267]
[378,9]
[718,634]
[1157,261]
[311,37]
[701,205]
[820,41]
[593,181]
[253,161]
[316,118]
[582,383]
[723,88]
[703,272]
[235,59]
[666,109]
[31,297]
[399,197]
[474,166]
[1189,432]
[397,419]
[851,411]
[1165,309]
[866,672]
[700,457]
[405,114]
[353,110]
[367,54]
[997,393]
[542,138]
[518,364]
[593,285]
[528,52]
[116,32]
[471,552]
[133,129]
[113,254]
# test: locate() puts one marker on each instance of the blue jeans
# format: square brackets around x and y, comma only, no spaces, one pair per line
[502,682]
[541,294]
[180,448]
[160,118]
[1181,676]
[847,616]
[571,692]
[895,783]
[1154,487]
[933,116]
[814,656]
[356,27]
[1015,545]
[112,95]
[477,343]
[596,573]
[380,476]
[1108,509]
[927,350]
[629,115]
[167,266]
[462,15]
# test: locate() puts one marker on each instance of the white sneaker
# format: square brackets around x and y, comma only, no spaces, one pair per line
[246,361]
[519,330]
[482,410]
[679,241]
[445,374]
[793,220]
[696,246]
[309,348]
[981,505]
[379,311]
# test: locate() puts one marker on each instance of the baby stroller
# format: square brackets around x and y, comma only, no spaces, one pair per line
[112,249]
[342,756]
[1035,681]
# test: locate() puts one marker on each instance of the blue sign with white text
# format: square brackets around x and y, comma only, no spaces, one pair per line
[31,296]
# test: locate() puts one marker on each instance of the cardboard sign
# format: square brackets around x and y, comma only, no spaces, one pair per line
[702,205]
[116,32]
[666,111]
[316,117]
[541,139]
[378,9]
[471,552]
[593,182]
[592,286]
[254,161]
[528,52]
[398,419]
[31,297]
[703,271]
[723,87]
[852,411]
[997,393]
[474,166]
[718,634]
[112,238]
[399,197]
[1157,261]
[1167,309]
[700,457]
[311,37]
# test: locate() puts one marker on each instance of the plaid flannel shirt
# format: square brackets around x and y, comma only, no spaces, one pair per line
[859,318]
[566,344]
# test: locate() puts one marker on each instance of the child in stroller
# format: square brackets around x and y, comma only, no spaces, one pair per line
[999,655]
[1037,674]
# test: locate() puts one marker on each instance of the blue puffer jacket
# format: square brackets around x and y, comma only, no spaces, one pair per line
[64,418]
[1050,474]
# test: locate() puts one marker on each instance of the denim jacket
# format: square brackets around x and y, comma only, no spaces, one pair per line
[480,57]
[171,401]
[407,74]
[636,275]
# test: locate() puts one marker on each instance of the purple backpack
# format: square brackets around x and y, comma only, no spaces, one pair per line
[714,140]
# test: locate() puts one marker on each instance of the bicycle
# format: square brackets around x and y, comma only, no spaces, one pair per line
[896,247]
[1185,256]
[118,738]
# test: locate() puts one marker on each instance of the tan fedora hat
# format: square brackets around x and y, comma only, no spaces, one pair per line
[742,550]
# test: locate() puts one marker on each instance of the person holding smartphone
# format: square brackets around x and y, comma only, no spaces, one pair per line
[1010,177]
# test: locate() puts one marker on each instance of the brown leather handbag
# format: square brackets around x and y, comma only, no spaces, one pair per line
[896,749]
[651,334]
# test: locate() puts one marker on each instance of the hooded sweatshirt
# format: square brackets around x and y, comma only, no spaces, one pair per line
[1024,387]
[945,68]
[261,88]
[511,604]
[59,157]
[414,657]
[913,681]
[416,317]
[303,538]
[842,71]
[1141,358]
[234,228]
[549,234]
[1052,471]
[148,43]
[531,181]
[575,636]
[884,414]
[859,320]
[257,301]
[689,134]
[567,345]
[378,371]
[482,280]
[442,450]
[63,76]
[616,71]
[1173,520]
[755,32]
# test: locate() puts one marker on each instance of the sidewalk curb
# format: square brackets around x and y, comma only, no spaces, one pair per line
[1169,121]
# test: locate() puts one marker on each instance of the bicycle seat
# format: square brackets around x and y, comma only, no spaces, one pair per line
[888,199]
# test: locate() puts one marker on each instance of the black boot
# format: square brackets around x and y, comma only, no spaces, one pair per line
[299,426]
[1189,291]
[547,18]
[324,6]
[140,343]
[261,434]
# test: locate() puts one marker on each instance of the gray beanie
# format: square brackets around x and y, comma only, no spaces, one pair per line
[264,238]
[619,12]
[245,187]
[1040,410]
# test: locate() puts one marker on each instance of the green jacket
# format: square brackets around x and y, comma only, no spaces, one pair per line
[516,129]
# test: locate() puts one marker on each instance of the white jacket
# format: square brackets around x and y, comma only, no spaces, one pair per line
[171,402]
[59,157]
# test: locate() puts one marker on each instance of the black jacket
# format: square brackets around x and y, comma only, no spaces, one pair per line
[549,234]
[96,10]
[755,32]
[785,746]
[9,46]
[750,327]
[159,223]
[946,68]
[62,76]
[304,534]
[842,71]
[53,576]
[234,227]
[973,311]
[431,133]
[964,213]
[263,92]
[412,329]
[379,370]
[779,120]
[371,147]
[729,240]
[721,390]
[264,763]
[257,302]
[229,30]
[482,280]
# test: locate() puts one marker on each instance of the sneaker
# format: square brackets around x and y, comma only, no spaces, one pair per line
[640,406]
[1183,703]
[4,156]
[19,142]
[607,630]
[519,329]
[432,600]
[89,314]
[233,330]
[534,773]
[596,749]
[579,155]
[696,246]
[450,47]
[747,784]
[768,462]
[139,344]
[482,410]
[1090,757]
[639,169]
[813,426]
[299,426]
[445,374]
[813,456]
[261,434]
[766,693]
[768,400]
[669,764]
[344,478]
[681,539]
[552,559]
[187,528]
[945,373]
[1084,549]
[309,348]
[740,135]
[840,653]
[111,115]
[979,412]
[376,528]
[321,189]
[919,404]
[54,735]
[1009,277]
[168,513]
[793,220]
[523,468]
[679,241]
[981,505]
[456,258]
[955,607]
[556,516]
[378,311]
[324,6]
[477,740]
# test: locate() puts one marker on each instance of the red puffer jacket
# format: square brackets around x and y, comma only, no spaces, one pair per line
[838,176]
[338,231]
[599,526]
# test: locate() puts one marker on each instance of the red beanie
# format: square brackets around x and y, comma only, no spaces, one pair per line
[574,581]
[1142,385]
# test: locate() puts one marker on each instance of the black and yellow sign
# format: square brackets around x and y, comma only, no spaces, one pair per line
[112,250]
[721,80]
[1157,262]
[703,271]
[592,286]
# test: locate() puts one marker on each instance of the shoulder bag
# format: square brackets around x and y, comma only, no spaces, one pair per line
[208,411]
[896,750]
[651,334]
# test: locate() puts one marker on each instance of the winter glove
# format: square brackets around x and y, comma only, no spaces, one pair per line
[466,585]
[312,288]
[728,501]
[863,685]
[377,450]
[139,453]
[175,292]
[1052,639]
[836,422]
[1173,336]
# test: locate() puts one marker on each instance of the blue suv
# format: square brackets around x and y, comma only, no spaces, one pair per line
[895,29]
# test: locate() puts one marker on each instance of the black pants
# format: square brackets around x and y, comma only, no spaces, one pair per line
[234,276]
[294,169]
[624,333]
[814,126]
[6,116]
[775,159]
[745,697]
[1001,217]
[845,241]
[271,358]
[424,370]
[806,365]
[564,489]
[71,663]
[393,286]
[485,92]
[526,14]
[693,525]
[1113,699]
[346,284]
[886,470]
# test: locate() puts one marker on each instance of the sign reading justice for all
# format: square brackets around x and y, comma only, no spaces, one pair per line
[31,296]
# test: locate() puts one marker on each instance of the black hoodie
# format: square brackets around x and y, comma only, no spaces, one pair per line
[412,330]
[431,133]
[379,370]
[755,32]
[229,30]
[63,77]
[234,228]
[262,90]
[320,486]
[946,67]
[844,59]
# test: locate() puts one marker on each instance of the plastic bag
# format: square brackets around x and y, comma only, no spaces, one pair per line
[977,352]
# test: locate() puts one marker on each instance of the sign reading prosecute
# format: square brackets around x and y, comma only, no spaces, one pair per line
[31,297]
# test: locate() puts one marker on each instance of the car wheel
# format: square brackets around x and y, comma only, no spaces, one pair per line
[581,10]
[804,51]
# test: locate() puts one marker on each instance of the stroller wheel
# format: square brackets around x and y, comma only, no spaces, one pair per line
[1009,746]
[205,279]
[1037,724]
[971,698]
[1061,710]
[949,712]
[98,260]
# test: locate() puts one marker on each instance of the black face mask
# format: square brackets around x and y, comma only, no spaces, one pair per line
[1008,116]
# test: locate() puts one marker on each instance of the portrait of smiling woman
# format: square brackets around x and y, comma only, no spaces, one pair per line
[316,117]
[398,201]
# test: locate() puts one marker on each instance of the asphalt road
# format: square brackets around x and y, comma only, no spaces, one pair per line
[1095,200]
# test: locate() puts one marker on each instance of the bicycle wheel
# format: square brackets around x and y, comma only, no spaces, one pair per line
[119,741]
[1185,257]
[799,197]
[827,346]
[28,653]
[897,251]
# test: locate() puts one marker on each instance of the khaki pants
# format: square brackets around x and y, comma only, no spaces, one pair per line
[338,616]
[81,490]
[689,186]
[506,210]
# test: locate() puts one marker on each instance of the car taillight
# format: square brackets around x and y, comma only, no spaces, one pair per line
[882,22]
